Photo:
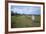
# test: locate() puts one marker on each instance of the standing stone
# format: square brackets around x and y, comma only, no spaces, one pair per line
[33,17]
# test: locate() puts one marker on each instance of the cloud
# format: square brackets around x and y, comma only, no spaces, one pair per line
[26,10]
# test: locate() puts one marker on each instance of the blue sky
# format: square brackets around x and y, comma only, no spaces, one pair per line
[26,9]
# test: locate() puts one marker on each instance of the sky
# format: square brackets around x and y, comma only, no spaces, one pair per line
[26,9]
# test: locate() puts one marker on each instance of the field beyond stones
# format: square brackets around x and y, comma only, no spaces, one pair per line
[23,21]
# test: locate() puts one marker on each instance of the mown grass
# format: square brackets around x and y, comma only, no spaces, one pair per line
[21,21]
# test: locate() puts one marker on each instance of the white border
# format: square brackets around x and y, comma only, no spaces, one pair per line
[23,29]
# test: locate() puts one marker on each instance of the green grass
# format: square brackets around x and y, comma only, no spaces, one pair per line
[24,21]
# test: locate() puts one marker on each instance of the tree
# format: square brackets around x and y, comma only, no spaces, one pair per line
[12,13]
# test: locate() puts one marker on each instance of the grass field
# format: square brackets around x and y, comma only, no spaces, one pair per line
[21,21]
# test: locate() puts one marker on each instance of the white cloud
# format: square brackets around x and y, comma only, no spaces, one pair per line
[26,10]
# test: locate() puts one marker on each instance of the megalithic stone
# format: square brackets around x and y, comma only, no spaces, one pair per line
[33,17]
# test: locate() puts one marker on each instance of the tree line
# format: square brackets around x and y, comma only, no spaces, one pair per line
[13,14]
